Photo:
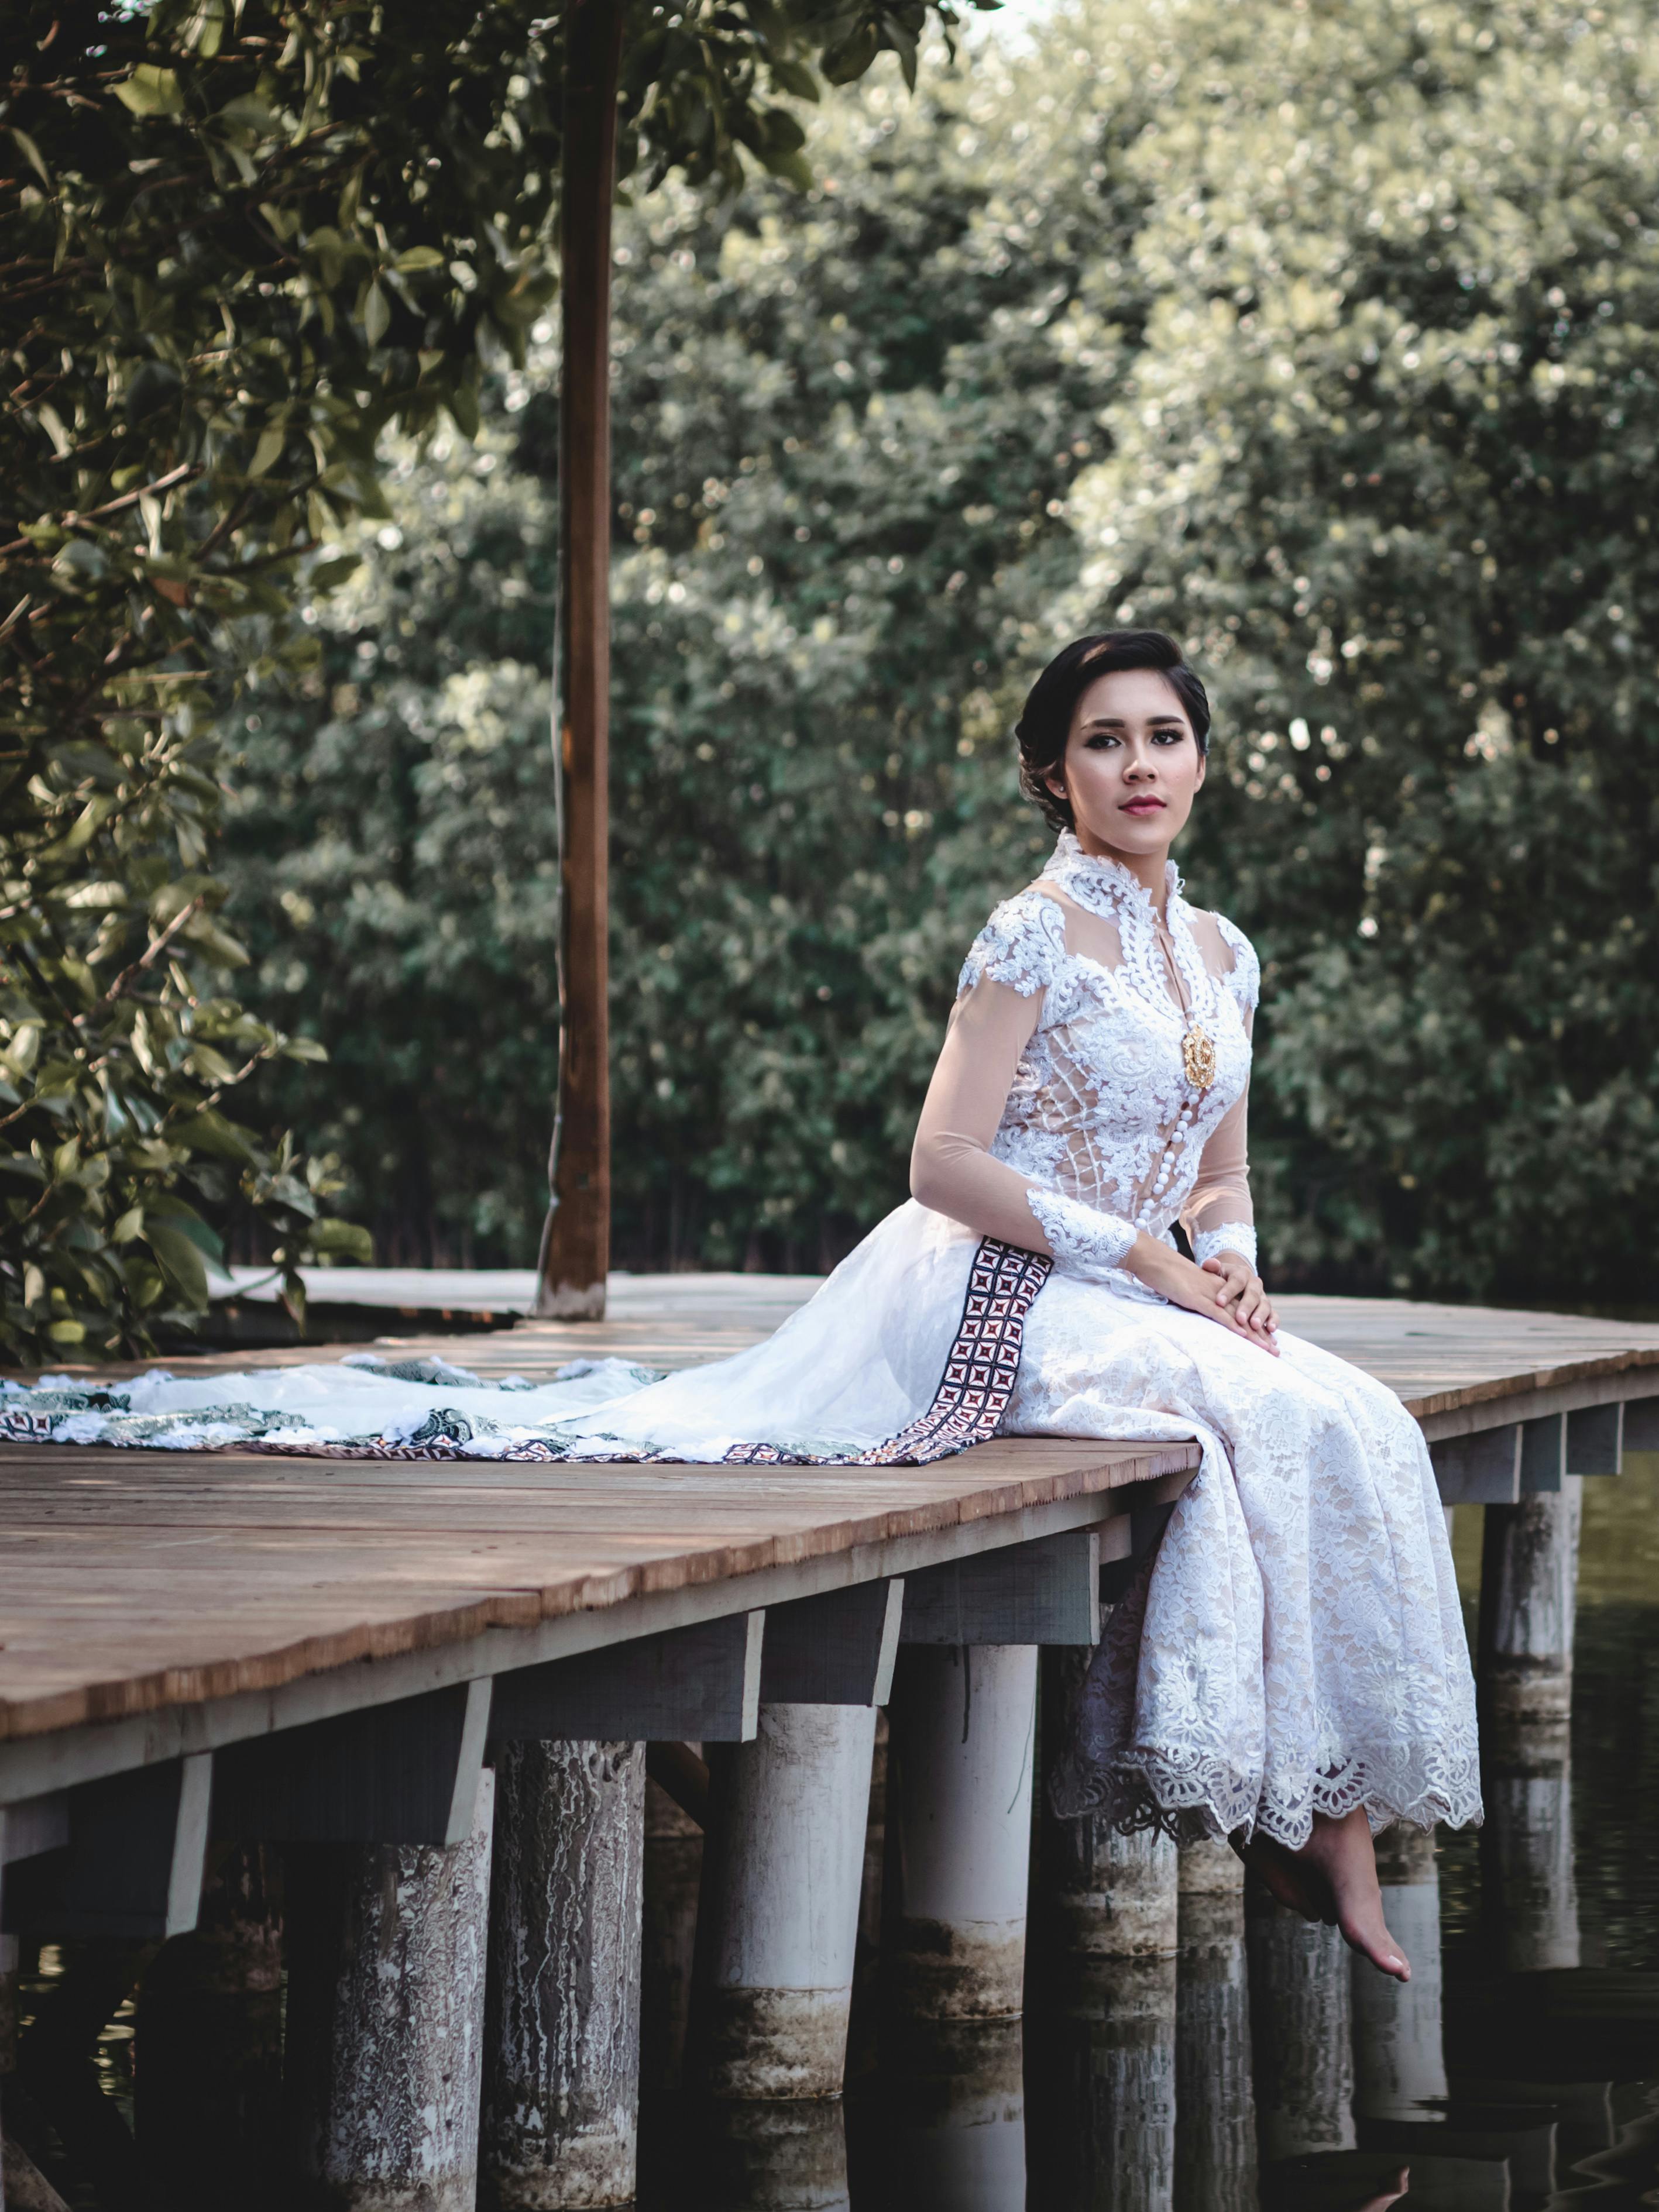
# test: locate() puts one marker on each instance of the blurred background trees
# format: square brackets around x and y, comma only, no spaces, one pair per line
[1322,337]
[245,241]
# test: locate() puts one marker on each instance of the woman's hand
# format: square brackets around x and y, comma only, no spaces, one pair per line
[1245,1292]
[1206,1289]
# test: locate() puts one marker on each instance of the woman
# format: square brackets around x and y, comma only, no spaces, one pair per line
[1289,1670]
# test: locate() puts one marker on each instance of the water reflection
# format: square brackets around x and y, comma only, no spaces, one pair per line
[1188,2047]
[1247,2063]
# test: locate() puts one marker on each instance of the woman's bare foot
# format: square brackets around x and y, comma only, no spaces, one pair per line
[1341,1851]
[1291,1879]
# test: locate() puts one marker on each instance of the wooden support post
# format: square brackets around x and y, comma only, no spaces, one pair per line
[1043,1592]
[1399,2060]
[385,2035]
[1102,1895]
[1301,2035]
[405,1772]
[778,1920]
[1528,1592]
[673,1870]
[700,1684]
[135,1845]
[576,1243]
[561,2085]
[960,1753]
[1215,2141]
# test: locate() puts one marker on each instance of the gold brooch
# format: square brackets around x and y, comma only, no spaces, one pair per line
[1197,1053]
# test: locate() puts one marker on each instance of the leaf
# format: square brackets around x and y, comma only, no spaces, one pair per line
[335,1239]
[268,451]
[211,1132]
[31,154]
[416,258]
[180,1261]
[185,1221]
[151,91]
[795,78]
[376,315]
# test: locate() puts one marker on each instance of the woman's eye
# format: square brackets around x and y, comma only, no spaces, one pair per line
[1167,736]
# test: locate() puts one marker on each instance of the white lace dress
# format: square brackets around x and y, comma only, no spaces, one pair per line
[1294,1645]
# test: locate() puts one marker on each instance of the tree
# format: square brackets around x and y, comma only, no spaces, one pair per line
[1388,459]
[249,239]
[1182,333]
[841,423]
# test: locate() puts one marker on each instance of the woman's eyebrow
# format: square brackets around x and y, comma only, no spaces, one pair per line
[1120,722]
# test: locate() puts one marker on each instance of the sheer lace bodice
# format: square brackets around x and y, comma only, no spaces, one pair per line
[1068,1068]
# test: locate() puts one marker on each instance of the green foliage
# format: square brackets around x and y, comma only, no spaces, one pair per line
[1324,337]
[245,239]
[834,509]
[1389,464]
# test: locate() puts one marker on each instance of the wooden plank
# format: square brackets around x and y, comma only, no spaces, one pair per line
[132,1862]
[403,1773]
[1041,1593]
[837,1649]
[1641,1424]
[1543,1455]
[691,1684]
[39,1824]
[1595,1440]
[240,1608]
[1483,1469]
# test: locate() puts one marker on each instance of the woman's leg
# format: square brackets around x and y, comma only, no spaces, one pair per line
[1331,1878]
[1340,1851]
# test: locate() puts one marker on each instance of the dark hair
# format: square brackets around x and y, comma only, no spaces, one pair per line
[1045,726]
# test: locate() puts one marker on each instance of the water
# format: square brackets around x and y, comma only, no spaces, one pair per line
[1262,2070]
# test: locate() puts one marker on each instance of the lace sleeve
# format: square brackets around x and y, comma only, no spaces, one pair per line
[1021,946]
[1243,978]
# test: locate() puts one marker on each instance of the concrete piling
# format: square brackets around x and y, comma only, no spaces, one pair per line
[1301,2032]
[561,2070]
[1216,2139]
[1528,1593]
[1101,1895]
[384,2039]
[1399,2061]
[960,1750]
[777,1916]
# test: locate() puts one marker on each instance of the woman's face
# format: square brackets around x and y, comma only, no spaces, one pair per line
[1132,764]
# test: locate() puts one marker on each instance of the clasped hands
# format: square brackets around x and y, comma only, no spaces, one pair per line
[1225,1289]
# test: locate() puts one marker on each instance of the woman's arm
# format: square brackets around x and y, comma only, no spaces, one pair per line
[1219,1216]
[953,1171]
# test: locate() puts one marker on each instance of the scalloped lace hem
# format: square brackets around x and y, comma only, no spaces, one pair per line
[1191,1800]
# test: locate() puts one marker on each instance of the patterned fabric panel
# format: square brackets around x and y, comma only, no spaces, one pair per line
[979,1372]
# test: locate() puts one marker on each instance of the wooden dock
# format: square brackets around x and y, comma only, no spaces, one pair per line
[241,1647]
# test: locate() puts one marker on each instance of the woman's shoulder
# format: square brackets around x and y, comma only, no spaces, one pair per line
[1022,944]
[1243,976]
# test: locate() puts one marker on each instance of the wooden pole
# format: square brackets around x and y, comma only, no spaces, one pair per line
[575,1241]
[561,2076]
[1215,2159]
[385,2030]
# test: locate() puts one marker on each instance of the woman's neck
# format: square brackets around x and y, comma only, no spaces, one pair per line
[1149,870]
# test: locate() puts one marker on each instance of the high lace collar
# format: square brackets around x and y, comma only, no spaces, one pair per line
[1111,882]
